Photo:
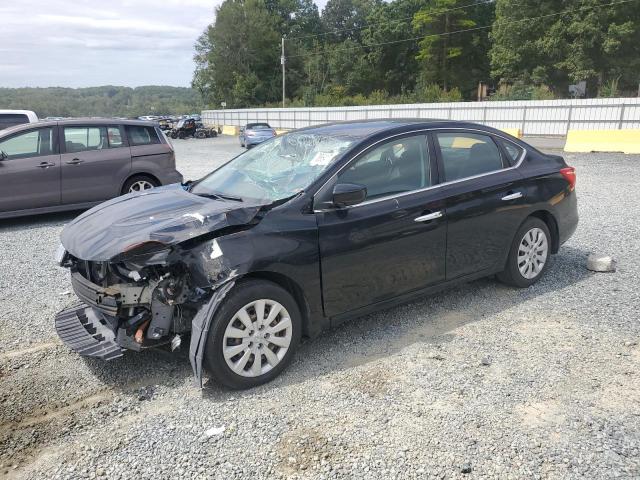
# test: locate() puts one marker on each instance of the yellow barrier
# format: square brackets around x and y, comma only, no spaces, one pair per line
[514,132]
[626,141]
[230,130]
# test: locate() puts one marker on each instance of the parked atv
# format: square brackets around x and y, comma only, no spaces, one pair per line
[204,132]
[184,128]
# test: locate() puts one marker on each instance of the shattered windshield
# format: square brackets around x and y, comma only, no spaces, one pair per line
[276,169]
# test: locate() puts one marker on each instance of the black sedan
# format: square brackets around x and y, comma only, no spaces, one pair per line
[305,231]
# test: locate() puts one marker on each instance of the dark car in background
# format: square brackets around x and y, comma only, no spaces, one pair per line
[255,133]
[76,164]
[306,231]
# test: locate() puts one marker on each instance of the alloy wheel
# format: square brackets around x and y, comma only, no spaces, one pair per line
[257,338]
[532,253]
[140,185]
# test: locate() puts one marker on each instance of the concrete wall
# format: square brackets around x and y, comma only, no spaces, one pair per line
[547,117]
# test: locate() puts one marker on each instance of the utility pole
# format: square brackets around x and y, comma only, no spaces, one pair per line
[282,61]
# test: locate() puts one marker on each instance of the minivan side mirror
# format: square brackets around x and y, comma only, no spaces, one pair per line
[347,194]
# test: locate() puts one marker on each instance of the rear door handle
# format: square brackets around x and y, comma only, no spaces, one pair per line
[75,161]
[46,165]
[512,196]
[429,216]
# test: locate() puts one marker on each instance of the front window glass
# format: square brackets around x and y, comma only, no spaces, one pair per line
[276,169]
[35,143]
[401,165]
[81,139]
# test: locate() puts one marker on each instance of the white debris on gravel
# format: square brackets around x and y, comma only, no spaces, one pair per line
[483,381]
[601,263]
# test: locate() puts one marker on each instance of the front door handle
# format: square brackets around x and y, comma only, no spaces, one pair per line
[512,196]
[46,165]
[75,161]
[429,216]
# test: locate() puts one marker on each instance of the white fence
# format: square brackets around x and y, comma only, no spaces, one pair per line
[547,117]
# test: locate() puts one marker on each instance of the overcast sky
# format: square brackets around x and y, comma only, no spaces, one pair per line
[79,43]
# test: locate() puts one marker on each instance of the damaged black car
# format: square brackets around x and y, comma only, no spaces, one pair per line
[305,231]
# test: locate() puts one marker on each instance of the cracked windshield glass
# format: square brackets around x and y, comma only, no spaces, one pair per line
[274,170]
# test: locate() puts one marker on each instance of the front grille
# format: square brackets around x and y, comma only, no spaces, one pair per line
[104,299]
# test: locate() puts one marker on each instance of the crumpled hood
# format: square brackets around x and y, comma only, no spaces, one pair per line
[168,214]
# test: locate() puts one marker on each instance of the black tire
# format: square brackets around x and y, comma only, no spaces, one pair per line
[511,274]
[201,135]
[241,295]
[139,178]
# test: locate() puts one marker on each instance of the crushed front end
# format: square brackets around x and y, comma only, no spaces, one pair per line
[127,305]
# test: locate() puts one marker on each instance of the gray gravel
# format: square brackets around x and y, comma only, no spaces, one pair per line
[482,381]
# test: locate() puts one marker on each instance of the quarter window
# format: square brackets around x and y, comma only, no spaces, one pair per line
[401,165]
[82,139]
[35,143]
[513,151]
[115,137]
[140,135]
[468,154]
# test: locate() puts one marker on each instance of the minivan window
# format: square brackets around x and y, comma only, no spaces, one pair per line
[401,165]
[468,154]
[10,119]
[115,137]
[141,135]
[34,143]
[81,139]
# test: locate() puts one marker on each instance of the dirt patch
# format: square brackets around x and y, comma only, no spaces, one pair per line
[306,449]
[541,414]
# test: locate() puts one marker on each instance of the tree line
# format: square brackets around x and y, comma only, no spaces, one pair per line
[358,52]
[107,101]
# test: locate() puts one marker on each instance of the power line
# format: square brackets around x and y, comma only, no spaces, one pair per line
[398,20]
[473,29]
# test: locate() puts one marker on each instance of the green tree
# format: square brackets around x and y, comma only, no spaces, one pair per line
[578,40]
[453,60]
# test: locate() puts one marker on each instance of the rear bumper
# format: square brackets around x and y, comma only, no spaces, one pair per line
[256,140]
[566,215]
[86,331]
[172,177]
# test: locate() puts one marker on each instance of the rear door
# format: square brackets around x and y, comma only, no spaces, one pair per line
[394,241]
[30,175]
[149,154]
[485,200]
[95,162]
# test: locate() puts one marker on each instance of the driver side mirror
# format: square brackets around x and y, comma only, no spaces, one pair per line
[347,194]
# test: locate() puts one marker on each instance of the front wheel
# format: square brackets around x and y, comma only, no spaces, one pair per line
[253,335]
[529,254]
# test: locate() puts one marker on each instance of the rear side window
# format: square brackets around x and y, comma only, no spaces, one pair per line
[82,139]
[114,136]
[35,143]
[401,165]
[141,135]
[513,151]
[468,154]
[10,119]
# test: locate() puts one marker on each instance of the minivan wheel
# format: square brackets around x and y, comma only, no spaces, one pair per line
[529,255]
[139,183]
[253,335]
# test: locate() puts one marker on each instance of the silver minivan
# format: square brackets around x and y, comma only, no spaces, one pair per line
[76,164]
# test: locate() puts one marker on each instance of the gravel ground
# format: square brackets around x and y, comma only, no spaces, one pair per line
[481,381]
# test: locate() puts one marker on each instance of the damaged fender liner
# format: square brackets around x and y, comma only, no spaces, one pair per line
[200,329]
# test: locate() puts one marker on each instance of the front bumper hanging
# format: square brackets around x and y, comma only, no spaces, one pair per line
[86,331]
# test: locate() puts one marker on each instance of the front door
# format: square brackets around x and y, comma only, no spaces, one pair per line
[95,161]
[30,173]
[485,201]
[394,241]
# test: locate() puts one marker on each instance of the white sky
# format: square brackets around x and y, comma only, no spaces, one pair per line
[79,43]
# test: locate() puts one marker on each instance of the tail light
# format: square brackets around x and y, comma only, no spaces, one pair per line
[569,174]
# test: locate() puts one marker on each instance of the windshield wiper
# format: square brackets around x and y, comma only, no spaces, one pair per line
[219,196]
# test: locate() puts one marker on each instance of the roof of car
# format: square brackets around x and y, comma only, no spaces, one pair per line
[76,121]
[365,128]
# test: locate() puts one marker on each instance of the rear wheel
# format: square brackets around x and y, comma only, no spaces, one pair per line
[253,335]
[139,183]
[201,135]
[529,254]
